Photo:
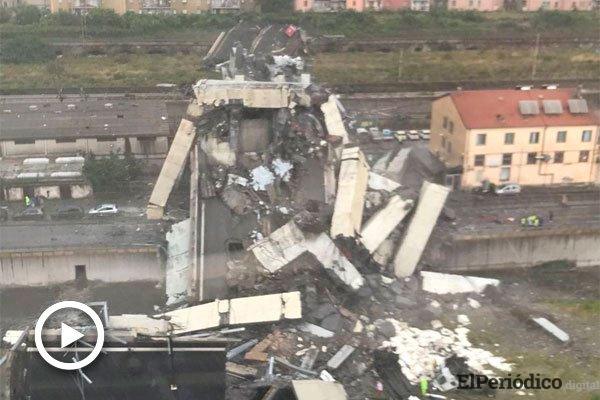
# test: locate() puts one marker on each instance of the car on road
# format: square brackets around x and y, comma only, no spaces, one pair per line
[69,212]
[30,213]
[104,209]
[508,188]
[424,134]
[413,135]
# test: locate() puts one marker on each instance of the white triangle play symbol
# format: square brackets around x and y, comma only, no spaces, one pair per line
[68,335]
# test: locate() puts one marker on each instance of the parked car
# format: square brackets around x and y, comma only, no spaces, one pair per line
[424,134]
[30,213]
[104,209]
[413,135]
[508,188]
[69,212]
[400,136]
[374,131]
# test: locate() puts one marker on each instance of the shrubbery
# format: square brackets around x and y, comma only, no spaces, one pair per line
[106,23]
[22,49]
[111,173]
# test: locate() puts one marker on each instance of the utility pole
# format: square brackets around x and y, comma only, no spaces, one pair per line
[536,52]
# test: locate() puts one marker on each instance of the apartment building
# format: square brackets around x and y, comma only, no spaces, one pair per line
[475,5]
[154,6]
[560,5]
[530,137]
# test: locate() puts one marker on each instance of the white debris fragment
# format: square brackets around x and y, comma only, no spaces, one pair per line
[463,319]
[422,351]
[380,182]
[473,303]
[435,282]
[237,180]
[435,304]
[326,376]
[282,169]
[436,324]
[262,177]
[552,329]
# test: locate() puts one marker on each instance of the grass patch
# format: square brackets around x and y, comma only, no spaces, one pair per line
[588,308]
[330,68]
[492,64]
[103,71]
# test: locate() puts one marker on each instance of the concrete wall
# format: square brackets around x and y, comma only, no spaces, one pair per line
[509,252]
[45,268]
[51,192]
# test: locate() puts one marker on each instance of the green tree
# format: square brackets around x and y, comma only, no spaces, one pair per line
[103,17]
[27,15]
[112,173]
[276,6]
[24,49]
[5,15]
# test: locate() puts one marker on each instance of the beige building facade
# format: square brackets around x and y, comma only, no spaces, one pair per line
[484,136]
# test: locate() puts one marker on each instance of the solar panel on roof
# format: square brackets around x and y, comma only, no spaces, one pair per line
[529,107]
[552,106]
[578,106]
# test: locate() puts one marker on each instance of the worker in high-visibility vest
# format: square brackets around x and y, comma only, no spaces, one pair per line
[27,201]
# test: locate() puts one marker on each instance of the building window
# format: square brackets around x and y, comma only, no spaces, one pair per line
[24,141]
[106,139]
[504,174]
[443,142]
[586,136]
[531,158]
[66,140]
[534,137]
[449,147]
[561,137]
[481,139]
[509,138]
[507,159]
[559,156]
[450,126]
[584,156]
[479,160]
[445,123]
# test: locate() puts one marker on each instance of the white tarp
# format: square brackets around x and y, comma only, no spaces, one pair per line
[289,242]
[435,282]
[431,201]
[383,222]
[314,389]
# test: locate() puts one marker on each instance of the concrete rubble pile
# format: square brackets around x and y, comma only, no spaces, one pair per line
[321,284]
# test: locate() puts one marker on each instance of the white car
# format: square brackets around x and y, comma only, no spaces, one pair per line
[508,188]
[413,135]
[424,134]
[104,209]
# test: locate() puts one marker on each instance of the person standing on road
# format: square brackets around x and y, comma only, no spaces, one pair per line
[27,201]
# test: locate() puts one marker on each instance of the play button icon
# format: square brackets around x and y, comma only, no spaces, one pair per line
[70,336]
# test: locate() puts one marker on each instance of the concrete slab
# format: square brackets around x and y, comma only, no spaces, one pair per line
[431,201]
